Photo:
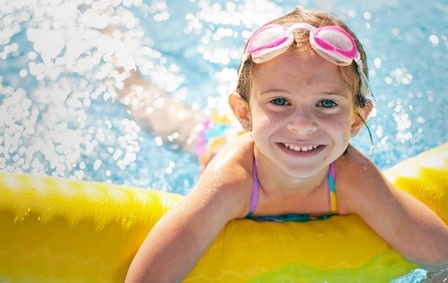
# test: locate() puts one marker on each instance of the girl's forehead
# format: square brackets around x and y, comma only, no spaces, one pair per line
[296,68]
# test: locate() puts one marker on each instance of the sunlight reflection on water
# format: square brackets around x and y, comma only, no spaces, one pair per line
[60,113]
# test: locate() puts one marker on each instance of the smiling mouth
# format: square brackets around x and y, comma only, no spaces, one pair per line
[301,148]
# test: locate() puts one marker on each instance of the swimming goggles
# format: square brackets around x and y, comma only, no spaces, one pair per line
[331,42]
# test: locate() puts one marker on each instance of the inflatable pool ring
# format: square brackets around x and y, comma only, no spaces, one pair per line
[62,230]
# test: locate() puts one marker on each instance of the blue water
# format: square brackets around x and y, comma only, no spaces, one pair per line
[59,115]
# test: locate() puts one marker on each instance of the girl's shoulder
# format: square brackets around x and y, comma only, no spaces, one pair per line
[353,166]
[226,179]
[358,179]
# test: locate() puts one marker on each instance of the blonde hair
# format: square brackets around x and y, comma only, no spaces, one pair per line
[350,75]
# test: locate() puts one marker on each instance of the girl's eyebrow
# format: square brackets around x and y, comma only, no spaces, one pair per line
[335,92]
[319,89]
[275,90]
[338,93]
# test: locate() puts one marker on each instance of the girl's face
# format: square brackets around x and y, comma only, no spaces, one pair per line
[301,113]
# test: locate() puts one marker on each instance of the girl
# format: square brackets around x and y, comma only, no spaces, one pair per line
[301,94]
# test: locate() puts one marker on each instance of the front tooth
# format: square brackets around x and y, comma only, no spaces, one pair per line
[298,148]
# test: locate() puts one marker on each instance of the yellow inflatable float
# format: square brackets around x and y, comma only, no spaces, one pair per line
[61,230]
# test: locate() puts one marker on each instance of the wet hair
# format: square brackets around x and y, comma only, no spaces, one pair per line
[350,75]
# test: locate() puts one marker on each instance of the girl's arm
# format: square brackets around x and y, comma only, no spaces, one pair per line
[181,237]
[409,226]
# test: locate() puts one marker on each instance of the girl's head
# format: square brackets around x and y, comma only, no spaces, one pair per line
[352,76]
[301,88]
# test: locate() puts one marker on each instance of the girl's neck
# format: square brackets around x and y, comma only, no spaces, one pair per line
[273,179]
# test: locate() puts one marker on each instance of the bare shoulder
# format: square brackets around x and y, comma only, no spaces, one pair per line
[359,182]
[227,180]
[236,155]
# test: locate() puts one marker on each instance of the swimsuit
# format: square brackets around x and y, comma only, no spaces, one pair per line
[294,217]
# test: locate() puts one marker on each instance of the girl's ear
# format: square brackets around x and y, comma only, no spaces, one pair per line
[240,108]
[361,115]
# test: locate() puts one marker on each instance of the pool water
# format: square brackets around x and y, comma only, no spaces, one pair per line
[59,115]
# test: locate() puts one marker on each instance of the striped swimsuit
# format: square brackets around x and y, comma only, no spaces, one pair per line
[294,217]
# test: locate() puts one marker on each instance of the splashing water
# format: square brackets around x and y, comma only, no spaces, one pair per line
[60,114]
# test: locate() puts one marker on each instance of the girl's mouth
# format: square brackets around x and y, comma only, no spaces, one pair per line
[300,148]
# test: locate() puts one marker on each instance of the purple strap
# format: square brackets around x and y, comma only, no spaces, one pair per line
[254,201]
[331,171]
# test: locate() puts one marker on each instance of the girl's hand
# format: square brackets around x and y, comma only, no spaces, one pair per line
[409,226]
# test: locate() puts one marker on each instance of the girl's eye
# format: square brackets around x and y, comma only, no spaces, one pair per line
[326,103]
[280,101]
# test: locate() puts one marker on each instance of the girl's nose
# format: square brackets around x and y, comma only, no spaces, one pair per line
[302,122]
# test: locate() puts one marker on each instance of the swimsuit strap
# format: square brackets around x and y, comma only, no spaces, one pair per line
[332,189]
[255,189]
